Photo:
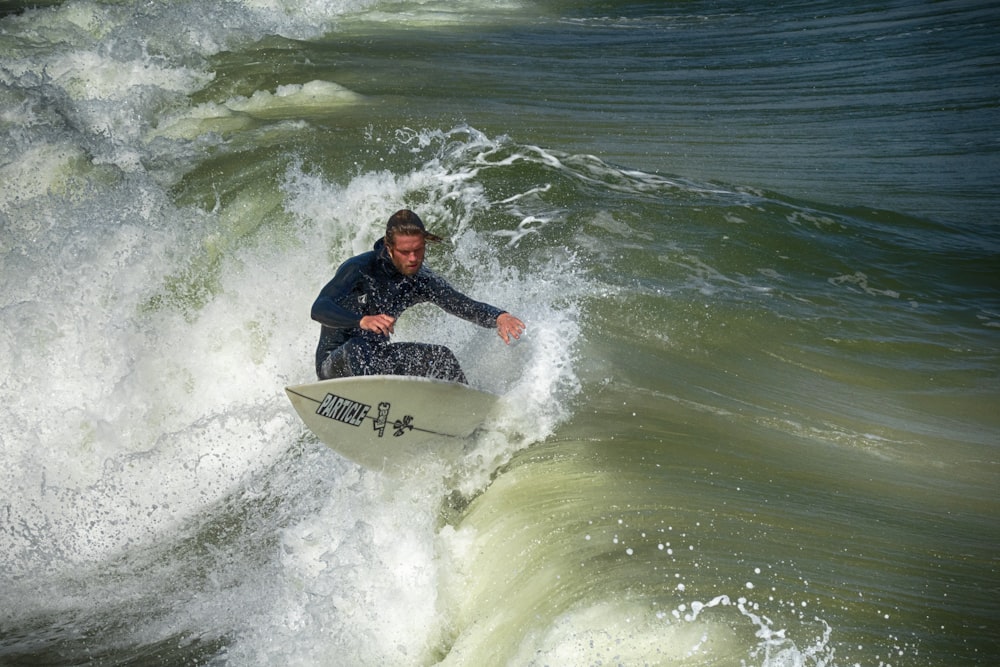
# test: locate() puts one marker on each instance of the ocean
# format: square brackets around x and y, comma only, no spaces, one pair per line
[755,417]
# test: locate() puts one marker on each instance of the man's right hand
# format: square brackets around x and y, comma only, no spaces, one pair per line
[380,324]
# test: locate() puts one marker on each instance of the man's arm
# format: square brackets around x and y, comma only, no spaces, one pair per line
[452,301]
[327,309]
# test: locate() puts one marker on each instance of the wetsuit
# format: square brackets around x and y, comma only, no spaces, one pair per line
[369,284]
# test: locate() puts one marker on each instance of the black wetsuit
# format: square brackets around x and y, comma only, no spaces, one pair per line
[369,284]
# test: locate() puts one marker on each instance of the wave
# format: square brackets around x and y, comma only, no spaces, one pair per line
[733,433]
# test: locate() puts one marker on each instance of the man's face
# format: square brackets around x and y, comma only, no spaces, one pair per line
[407,254]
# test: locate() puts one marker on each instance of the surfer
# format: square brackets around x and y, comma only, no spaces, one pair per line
[358,309]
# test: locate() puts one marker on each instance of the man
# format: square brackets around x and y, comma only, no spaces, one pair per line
[358,309]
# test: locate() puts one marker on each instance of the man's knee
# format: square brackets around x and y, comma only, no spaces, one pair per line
[427,360]
[333,366]
[348,360]
[444,365]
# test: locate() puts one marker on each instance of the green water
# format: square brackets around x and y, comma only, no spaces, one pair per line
[753,421]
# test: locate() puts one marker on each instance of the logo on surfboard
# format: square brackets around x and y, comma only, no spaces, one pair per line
[383,417]
[353,413]
[343,410]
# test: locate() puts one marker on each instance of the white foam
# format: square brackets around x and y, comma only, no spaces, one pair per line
[88,75]
[628,633]
[239,113]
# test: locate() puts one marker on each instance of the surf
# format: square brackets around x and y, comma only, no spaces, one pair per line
[753,421]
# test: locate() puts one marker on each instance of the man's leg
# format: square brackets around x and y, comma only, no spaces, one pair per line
[335,365]
[423,359]
[355,357]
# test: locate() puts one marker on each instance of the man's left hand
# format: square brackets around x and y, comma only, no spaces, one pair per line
[509,327]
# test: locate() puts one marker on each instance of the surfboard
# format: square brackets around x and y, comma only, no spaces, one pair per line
[388,422]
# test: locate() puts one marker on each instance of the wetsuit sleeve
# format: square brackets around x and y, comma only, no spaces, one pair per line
[452,301]
[329,308]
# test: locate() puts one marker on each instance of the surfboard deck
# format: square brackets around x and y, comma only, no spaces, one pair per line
[387,422]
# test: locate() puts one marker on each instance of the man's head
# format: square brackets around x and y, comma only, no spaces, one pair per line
[406,239]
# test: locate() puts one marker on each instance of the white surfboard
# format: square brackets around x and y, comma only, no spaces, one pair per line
[387,422]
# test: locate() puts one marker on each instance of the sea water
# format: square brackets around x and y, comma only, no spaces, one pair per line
[754,417]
